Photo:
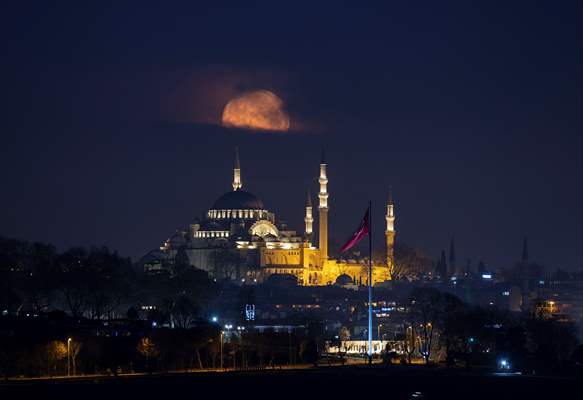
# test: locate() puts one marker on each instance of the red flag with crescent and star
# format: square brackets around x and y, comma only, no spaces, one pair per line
[358,235]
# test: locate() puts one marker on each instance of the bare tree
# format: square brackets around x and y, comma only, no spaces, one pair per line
[410,345]
[74,349]
[425,311]
[148,349]
[410,263]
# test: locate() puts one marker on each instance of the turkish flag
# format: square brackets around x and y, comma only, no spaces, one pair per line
[357,236]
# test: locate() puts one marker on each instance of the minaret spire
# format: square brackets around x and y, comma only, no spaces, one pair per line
[390,232]
[237,184]
[452,269]
[309,219]
[442,266]
[323,208]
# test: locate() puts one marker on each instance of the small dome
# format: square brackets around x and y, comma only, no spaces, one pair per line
[152,255]
[238,200]
[343,280]
[177,240]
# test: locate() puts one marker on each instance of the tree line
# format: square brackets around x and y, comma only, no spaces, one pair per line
[440,326]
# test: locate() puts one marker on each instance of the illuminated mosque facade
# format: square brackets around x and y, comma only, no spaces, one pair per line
[242,240]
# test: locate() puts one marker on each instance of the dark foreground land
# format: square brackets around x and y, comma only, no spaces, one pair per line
[324,383]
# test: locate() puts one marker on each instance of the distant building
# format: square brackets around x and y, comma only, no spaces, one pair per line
[242,240]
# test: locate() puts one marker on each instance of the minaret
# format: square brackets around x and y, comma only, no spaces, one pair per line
[525,276]
[442,266]
[237,172]
[323,209]
[452,270]
[390,233]
[309,220]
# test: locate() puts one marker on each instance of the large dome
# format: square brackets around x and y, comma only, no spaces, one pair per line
[238,200]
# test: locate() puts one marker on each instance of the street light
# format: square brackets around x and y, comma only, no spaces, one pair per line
[503,364]
[69,357]
[379,331]
[222,332]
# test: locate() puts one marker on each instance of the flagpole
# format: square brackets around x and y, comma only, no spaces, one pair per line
[369,283]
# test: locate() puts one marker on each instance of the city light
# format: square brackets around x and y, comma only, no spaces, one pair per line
[504,364]
[214,318]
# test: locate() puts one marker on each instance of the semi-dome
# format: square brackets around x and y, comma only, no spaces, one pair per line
[343,280]
[238,200]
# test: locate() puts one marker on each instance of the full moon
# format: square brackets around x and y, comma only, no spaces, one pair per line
[259,109]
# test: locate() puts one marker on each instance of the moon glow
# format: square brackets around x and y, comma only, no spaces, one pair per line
[259,109]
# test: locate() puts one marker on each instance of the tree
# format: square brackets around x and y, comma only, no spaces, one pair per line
[410,263]
[73,280]
[110,275]
[550,342]
[309,351]
[453,325]
[426,308]
[181,262]
[93,282]
[74,350]
[410,342]
[183,311]
[343,338]
[185,297]
[55,351]
[344,334]
[226,264]
[39,283]
[148,349]
[26,274]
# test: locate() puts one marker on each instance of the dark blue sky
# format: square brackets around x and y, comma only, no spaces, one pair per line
[472,112]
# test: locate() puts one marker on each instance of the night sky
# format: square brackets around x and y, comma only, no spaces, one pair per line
[472,112]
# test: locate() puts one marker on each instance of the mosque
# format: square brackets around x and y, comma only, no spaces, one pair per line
[242,240]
